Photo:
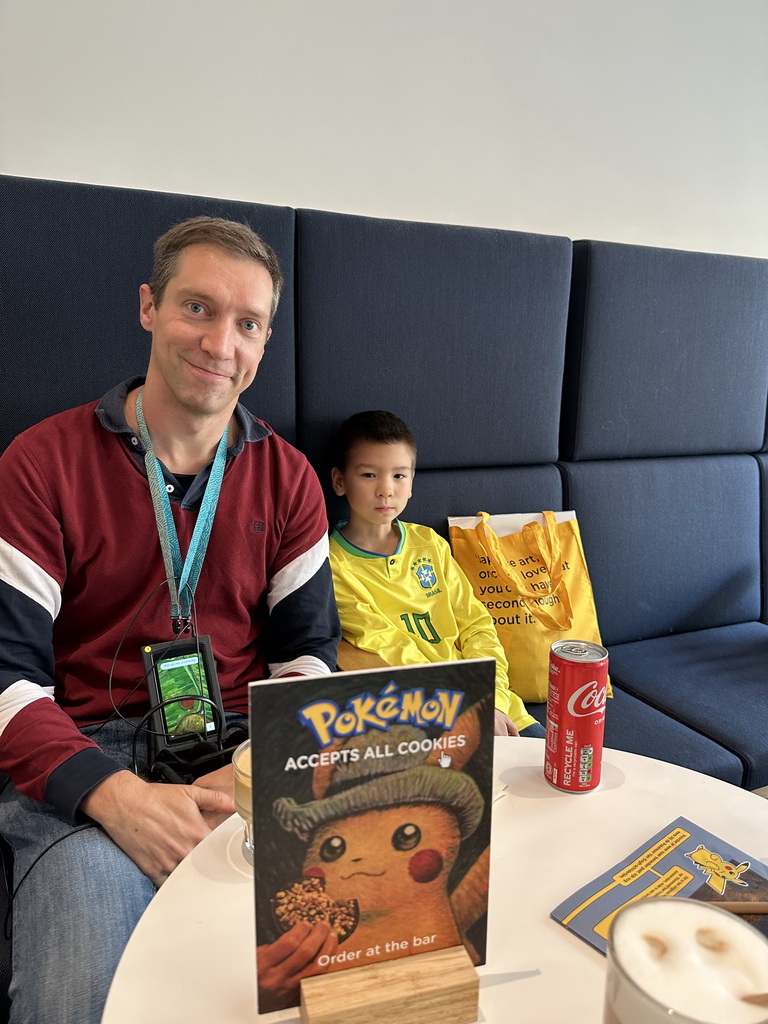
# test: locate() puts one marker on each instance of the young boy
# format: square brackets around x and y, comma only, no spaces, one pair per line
[398,589]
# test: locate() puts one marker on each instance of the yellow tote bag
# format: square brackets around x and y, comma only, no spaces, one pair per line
[530,573]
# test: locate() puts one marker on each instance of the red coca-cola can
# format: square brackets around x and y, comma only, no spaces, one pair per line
[578,679]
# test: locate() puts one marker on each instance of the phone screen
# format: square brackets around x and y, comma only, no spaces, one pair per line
[184,676]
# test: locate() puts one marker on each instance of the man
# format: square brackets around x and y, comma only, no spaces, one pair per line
[83,586]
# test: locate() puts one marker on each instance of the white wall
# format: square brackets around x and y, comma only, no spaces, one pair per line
[633,121]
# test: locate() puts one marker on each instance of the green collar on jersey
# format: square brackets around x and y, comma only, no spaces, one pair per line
[353,549]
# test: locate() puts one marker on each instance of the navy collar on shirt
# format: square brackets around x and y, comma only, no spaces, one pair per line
[111,415]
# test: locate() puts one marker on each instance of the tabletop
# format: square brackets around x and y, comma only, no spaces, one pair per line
[191,958]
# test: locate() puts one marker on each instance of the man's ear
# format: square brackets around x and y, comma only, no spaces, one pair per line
[146,307]
[337,480]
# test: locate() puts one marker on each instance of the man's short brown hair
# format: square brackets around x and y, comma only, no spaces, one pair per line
[238,240]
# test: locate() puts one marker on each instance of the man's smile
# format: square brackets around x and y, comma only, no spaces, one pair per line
[208,374]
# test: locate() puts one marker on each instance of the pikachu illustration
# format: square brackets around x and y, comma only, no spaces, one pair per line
[382,836]
[718,871]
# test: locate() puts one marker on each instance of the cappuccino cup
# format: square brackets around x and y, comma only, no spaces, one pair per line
[682,961]
[241,764]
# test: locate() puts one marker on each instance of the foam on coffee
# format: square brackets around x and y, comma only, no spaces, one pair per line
[690,957]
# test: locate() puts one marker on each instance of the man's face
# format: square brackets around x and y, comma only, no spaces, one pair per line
[209,332]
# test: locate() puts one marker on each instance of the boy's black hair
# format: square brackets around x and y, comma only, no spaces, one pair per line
[375,426]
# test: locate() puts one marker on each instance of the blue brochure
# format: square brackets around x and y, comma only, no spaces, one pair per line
[682,860]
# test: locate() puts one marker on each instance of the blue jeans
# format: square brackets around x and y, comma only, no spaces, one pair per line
[77,908]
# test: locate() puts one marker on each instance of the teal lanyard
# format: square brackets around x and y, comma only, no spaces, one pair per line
[182,577]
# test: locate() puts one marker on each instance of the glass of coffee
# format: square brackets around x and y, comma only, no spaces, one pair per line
[682,961]
[241,763]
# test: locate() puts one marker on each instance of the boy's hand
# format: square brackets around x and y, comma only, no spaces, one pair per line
[503,725]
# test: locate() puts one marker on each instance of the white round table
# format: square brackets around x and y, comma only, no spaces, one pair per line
[192,956]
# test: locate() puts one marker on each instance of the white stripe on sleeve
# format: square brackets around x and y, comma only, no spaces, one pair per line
[305,665]
[21,573]
[18,696]
[297,573]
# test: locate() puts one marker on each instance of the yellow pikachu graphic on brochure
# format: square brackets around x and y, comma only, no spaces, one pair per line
[718,871]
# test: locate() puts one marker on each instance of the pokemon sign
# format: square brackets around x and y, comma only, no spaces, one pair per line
[372,803]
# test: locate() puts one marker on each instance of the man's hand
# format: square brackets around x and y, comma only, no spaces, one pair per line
[285,963]
[220,781]
[155,824]
[503,725]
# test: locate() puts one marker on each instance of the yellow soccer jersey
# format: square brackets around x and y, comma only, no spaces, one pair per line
[417,606]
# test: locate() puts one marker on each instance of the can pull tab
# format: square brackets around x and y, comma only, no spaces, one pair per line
[579,650]
[575,649]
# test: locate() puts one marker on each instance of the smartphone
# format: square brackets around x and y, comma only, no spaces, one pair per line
[182,672]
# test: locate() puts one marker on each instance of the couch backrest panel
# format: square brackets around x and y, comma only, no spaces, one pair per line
[762,462]
[459,330]
[672,544]
[667,353]
[72,258]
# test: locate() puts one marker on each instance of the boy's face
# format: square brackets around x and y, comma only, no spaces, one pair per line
[377,481]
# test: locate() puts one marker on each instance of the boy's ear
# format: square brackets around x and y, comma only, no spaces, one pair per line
[337,481]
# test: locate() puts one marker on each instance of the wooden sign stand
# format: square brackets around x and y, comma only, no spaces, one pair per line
[440,987]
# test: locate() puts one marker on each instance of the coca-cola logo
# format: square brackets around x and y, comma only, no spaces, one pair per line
[589,699]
